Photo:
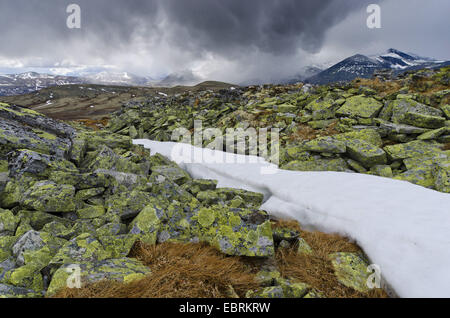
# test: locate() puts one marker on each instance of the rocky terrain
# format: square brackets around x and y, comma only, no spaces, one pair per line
[395,129]
[72,197]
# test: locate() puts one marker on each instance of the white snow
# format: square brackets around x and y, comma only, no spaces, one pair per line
[402,227]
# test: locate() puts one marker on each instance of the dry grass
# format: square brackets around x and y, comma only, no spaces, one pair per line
[178,271]
[306,133]
[198,271]
[446,146]
[382,88]
[94,124]
[316,269]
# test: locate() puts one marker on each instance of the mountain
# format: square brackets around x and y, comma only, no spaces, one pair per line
[117,78]
[364,66]
[304,73]
[185,78]
[16,84]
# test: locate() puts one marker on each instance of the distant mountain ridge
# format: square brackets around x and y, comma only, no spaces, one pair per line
[364,66]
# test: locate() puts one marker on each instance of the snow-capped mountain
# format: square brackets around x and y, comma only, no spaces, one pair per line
[16,84]
[364,66]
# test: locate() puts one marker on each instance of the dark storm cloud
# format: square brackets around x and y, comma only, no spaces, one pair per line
[218,26]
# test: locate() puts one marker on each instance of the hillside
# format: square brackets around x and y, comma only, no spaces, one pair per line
[94,101]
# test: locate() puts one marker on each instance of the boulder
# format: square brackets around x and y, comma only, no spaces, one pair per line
[351,270]
[338,165]
[47,196]
[325,144]
[365,153]
[417,148]
[37,165]
[122,269]
[360,106]
[16,136]
[9,291]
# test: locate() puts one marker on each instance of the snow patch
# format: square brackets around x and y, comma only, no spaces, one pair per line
[402,227]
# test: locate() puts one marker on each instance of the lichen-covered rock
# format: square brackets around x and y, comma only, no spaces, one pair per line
[27,276]
[292,289]
[208,197]
[88,248]
[14,135]
[13,191]
[382,171]
[434,134]
[91,212]
[303,247]
[282,233]
[39,220]
[6,244]
[83,195]
[128,205]
[36,248]
[122,269]
[106,159]
[360,106]
[338,165]
[96,140]
[401,107]
[252,199]
[8,223]
[267,292]
[446,110]
[422,176]
[82,181]
[37,165]
[392,128]
[417,148]
[148,221]
[325,144]
[421,120]
[442,174]
[47,196]
[197,185]
[173,173]
[267,278]
[351,270]
[236,231]
[9,291]
[365,153]
[370,136]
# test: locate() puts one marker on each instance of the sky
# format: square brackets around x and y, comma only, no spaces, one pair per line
[228,40]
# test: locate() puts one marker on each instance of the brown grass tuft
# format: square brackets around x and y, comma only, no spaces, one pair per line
[94,124]
[446,146]
[316,269]
[178,271]
[382,88]
[198,271]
